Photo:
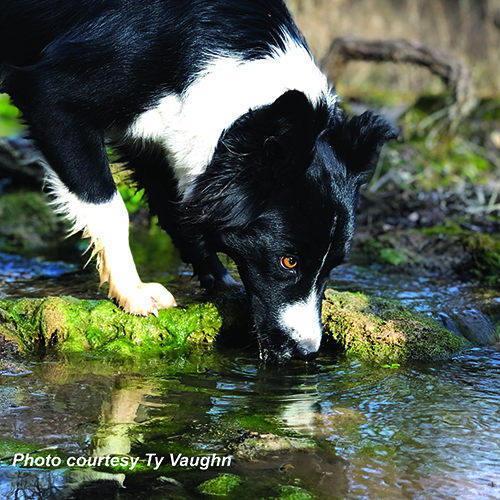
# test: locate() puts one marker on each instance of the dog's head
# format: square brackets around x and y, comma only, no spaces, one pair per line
[279,198]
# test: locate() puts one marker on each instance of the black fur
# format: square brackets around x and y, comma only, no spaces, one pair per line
[284,177]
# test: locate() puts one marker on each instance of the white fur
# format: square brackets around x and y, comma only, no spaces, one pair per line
[107,222]
[303,322]
[190,125]
[106,225]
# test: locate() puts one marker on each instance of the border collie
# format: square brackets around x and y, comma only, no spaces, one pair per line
[224,119]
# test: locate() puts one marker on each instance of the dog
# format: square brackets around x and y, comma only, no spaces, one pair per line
[226,122]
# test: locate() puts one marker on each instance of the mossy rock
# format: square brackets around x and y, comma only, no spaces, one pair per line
[384,331]
[70,325]
[363,327]
[28,222]
[485,254]
[289,492]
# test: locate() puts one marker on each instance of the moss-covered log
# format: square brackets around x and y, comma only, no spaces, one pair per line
[363,327]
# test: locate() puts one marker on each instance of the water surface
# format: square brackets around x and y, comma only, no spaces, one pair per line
[360,432]
[328,429]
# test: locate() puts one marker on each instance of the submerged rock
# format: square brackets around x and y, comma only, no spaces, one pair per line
[364,327]
[222,485]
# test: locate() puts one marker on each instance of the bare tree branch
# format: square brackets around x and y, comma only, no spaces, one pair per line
[455,75]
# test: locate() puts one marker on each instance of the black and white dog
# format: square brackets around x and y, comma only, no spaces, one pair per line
[227,123]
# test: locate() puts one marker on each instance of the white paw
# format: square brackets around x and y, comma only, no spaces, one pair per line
[144,299]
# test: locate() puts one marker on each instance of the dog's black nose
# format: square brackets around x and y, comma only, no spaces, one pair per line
[305,352]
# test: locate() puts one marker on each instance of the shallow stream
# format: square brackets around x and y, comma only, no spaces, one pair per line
[331,429]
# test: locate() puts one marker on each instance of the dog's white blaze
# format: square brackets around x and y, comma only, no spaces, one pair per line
[301,319]
[190,125]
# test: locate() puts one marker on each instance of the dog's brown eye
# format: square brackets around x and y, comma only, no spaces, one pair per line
[289,262]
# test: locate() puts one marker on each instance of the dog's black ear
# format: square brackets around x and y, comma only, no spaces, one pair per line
[357,142]
[292,126]
[279,137]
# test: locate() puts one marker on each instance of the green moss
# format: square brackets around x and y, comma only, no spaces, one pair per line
[393,256]
[384,331]
[28,222]
[221,485]
[386,249]
[450,228]
[71,325]
[247,419]
[364,327]
[289,492]
[485,252]
[9,448]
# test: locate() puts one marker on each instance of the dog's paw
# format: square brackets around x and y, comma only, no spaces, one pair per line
[145,299]
[219,283]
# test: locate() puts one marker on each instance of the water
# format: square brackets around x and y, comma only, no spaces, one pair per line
[358,432]
[329,429]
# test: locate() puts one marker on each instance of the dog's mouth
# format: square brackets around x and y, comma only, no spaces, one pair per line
[276,346]
[280,340]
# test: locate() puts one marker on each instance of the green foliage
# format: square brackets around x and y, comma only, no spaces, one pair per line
[430,156]
[10,123]
[416,164]
[490,109]
[133,198]
[393,366]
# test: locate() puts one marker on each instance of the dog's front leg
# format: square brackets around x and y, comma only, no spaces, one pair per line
[108,233]
[107,226]
[212,274]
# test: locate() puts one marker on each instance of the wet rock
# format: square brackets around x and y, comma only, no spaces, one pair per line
[384,331]
[471,324]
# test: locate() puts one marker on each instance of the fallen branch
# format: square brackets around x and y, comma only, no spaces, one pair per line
[455,75]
